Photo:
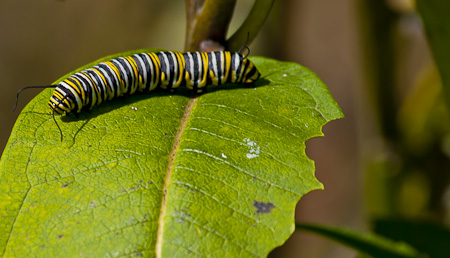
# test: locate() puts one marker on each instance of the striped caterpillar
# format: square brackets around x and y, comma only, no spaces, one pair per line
[144,72]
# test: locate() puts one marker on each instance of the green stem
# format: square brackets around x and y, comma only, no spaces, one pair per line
[252,24]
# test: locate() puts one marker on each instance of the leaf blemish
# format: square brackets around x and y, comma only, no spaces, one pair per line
[263,207]
[254,149]
[135,187]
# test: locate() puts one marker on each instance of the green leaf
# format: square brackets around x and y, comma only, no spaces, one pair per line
[366,243]
[423,117]
[427,237]
[434,14]
[165,173]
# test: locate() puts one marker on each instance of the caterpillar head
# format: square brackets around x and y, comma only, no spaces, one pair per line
[59,102]
[56,102]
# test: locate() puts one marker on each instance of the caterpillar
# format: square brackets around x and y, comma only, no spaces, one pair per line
[145,72]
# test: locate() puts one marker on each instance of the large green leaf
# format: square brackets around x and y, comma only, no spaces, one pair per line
[369,244]
[219,174]
[434,14]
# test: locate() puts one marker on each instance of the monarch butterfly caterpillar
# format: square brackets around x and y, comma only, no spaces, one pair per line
[144,72]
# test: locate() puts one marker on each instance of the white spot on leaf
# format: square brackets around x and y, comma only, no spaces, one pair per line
[254,149]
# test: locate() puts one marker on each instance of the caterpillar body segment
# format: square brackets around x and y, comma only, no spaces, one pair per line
[146,71]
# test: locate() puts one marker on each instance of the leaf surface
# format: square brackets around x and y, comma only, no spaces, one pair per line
[165,174]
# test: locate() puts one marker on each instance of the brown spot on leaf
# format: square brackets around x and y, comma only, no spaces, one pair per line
[263,207]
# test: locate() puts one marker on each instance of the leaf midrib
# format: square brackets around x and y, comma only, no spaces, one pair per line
[167,180]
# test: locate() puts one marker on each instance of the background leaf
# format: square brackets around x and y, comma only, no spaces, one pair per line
[428,237]
[434,15]
[106,190]
[366,243]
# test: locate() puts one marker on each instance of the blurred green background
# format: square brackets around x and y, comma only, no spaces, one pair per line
[43,40]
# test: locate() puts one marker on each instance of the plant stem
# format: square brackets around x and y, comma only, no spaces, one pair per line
[207,24]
